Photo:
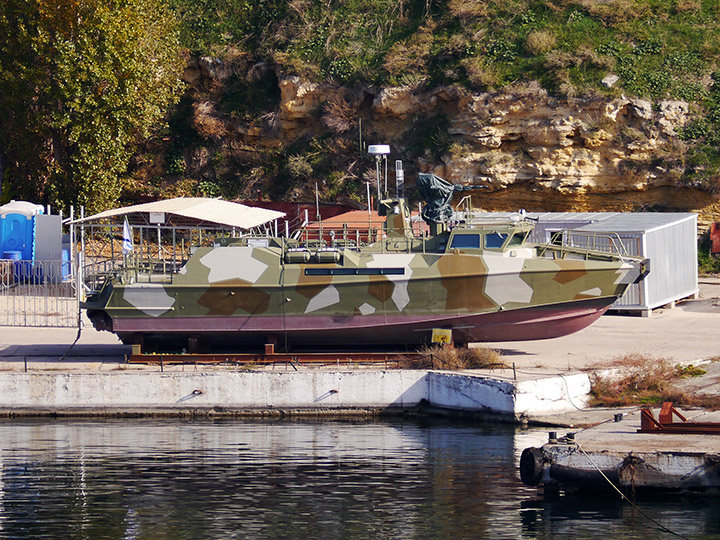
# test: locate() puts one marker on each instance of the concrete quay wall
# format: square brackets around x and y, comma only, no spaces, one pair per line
[618,452]
[118,392]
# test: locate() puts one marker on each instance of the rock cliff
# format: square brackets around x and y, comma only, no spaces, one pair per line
[519,148]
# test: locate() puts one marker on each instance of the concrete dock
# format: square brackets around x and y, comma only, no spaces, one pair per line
[615,452]
[40,374]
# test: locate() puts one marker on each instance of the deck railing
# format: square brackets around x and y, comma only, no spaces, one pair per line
[159,262]
[588,244]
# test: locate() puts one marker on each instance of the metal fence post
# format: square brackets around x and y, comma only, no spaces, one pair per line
[78,288]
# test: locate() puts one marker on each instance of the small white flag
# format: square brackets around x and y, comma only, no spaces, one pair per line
[127,244]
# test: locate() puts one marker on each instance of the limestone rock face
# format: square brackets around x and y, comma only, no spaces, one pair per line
[568,146]
[192,74]
[215,68]
[596,152]
[673,114]
[298,98]
[396,102]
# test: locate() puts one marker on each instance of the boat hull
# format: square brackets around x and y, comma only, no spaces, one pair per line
[533,323]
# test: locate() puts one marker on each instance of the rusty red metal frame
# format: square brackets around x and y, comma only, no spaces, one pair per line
[665,423]
[269,356]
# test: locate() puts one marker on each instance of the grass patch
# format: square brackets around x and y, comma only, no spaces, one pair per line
[659,49]
[643,380]
[438,357]
[707,264]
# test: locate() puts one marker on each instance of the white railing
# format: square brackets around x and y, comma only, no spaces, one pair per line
[585,243]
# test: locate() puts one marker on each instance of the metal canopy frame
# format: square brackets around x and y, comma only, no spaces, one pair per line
[159,248]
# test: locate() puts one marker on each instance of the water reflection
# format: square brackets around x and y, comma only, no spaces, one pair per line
[149,479]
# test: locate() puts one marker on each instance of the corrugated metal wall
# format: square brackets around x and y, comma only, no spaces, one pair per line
[48,245]
[48,237]
[669,240]
[673,254]
[636,294]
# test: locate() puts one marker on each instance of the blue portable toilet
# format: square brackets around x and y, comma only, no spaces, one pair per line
[17,234]
[17,228]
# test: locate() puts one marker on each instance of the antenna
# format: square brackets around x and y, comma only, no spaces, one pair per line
[317,203]
[380,151]
[367,185]
[399,179]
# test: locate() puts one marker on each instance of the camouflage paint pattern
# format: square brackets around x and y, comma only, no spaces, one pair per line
[393,291]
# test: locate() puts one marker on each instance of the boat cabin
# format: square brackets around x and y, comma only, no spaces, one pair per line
[498,238]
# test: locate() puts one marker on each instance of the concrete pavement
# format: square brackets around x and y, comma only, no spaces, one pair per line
[689,333]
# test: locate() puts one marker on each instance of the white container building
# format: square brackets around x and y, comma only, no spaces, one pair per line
[669,240]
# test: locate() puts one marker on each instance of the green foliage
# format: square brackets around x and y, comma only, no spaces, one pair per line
[212,24]
[502,50]
[706,263]
[250,96]
[695,129]
[176,163]
[299,167]
[208,189]
[182,135]
[80,84]
[703,164]
[180,127]
[430,134]
[689,371]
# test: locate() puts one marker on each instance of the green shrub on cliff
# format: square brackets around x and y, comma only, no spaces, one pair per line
[704,158]
[658,48]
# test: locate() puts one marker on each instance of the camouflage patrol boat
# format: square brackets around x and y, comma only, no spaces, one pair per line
[320,288]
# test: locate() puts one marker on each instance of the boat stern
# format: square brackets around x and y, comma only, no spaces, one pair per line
[95,304]
[636,269]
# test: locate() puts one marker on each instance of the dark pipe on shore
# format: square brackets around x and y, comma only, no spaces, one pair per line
[584,478]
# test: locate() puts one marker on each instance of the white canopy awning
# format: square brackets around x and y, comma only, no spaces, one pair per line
[197,211]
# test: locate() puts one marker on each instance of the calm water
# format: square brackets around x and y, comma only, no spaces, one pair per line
[173,479]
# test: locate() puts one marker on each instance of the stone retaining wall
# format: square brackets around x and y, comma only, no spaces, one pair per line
[264,392]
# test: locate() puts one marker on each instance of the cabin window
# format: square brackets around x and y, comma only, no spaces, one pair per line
[354,271]
[495,240]
[517,239]
[465,241]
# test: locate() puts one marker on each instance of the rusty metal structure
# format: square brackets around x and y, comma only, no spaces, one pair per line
[715,239]
[270,357]
[666,423]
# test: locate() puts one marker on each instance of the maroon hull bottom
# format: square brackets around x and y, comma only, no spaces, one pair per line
[539,322]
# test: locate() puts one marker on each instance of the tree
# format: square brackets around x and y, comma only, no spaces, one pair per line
[81,83]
